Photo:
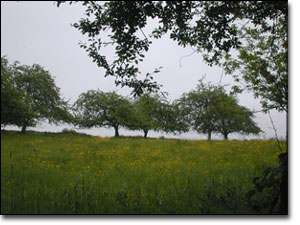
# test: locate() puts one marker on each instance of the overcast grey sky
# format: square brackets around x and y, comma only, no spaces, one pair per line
[39,32]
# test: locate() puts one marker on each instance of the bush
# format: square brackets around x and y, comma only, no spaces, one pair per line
[68,131]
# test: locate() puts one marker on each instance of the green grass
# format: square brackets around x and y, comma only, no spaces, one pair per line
[68,173]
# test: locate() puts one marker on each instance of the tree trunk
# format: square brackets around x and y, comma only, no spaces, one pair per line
[145,133]
[287,131]
[24,129]
[209,136]
[225,136]
[116,131]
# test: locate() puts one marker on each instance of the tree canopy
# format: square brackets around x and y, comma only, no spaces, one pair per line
[99,109]
[211,27]
[154,112]
[30,96]
[262,64]
[147,113]
[12,106]
[209,109]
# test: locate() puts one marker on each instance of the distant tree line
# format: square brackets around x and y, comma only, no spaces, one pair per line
[29,95]
[146,112]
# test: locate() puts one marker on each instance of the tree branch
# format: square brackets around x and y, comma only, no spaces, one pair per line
[194,51]
[275,131]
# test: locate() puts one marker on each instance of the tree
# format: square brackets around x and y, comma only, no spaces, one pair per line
[11,98]
[233,118]
[173,120]
[211,27]
[99,109]
[147,113]
[262,64]
[153,112]
[35,96]
[208,109]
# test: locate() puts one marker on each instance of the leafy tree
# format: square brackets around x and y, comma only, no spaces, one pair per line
[153,112]
[211,27]
[99,109]
[37,97]
[262,64]
[198,115]
[172,119]
[233,118]
[147,113]
[208,109]
[12,105]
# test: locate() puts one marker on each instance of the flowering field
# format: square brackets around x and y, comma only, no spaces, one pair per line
[46,173]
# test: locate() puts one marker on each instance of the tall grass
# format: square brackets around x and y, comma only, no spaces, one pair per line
[67,173]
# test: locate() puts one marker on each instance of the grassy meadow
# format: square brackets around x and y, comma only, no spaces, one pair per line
[69,173]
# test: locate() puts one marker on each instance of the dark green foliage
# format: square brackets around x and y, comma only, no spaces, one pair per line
[12,106]
[266,194]
[154,112]
[231,117]
[69,132]
[262,64]
[99,109]
[209,109]
[30,96]
[147,113]
[211,27]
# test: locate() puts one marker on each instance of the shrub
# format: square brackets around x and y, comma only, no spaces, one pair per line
[68,131]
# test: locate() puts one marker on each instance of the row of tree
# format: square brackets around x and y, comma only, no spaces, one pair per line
[29,95]
[146,112]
